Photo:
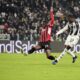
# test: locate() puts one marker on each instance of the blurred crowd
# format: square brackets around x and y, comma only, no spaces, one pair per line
[21,19]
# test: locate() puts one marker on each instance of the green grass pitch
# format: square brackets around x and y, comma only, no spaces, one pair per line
[37,67]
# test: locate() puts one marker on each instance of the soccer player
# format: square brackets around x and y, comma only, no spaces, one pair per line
[45,37]
[73,29]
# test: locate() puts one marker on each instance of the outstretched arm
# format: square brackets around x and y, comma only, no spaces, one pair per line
[51,17]
[62,30]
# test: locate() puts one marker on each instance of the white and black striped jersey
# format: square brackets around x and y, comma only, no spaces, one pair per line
[73,28]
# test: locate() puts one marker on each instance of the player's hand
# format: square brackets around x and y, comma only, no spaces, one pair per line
[51,2]
[57,34]
[51,8]
[52,39]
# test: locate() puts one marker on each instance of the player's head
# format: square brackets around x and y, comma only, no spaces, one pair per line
[45,22]
[71,18]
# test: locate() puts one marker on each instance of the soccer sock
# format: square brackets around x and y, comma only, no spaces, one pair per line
[51,57]
[31,51]
[61,55]
[71,53]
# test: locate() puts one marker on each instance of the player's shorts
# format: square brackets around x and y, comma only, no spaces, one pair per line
[72,40]
[45,45]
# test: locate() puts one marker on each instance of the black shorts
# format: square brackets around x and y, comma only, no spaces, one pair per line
[44,45]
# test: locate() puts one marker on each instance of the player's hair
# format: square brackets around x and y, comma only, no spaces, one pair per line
[46,20]
[71,15]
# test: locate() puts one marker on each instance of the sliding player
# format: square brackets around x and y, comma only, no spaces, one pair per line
[45,37]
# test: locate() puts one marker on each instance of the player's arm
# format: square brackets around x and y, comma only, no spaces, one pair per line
[62,30]
[51,17]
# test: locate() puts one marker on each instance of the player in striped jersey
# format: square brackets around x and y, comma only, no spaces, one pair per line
[45,37]
[73,29]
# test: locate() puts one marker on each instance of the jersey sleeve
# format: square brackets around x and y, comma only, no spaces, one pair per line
[63,30]
[51,17]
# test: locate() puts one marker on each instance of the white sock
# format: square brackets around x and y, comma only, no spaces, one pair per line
[61,55]
[71,53]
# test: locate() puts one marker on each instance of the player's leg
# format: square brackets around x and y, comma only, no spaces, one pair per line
[64,51]
[74,41]
[70,42]
[72,54]
[37,47]
[48,51]
[61,55]
[67,49]
[48,54]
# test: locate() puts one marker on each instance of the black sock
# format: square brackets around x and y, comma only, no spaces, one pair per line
[51,57]
[31,51]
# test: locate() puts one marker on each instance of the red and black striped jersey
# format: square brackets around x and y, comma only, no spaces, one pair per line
[45,32]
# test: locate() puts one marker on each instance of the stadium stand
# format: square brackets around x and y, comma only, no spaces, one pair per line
[21,19]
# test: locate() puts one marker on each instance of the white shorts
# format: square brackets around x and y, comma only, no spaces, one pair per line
[72,40]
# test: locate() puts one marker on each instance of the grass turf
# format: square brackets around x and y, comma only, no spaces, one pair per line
[37,67]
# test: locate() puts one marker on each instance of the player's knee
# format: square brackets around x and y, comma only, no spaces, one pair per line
[32,50]
[67,47]
[51,58]
[47,48]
